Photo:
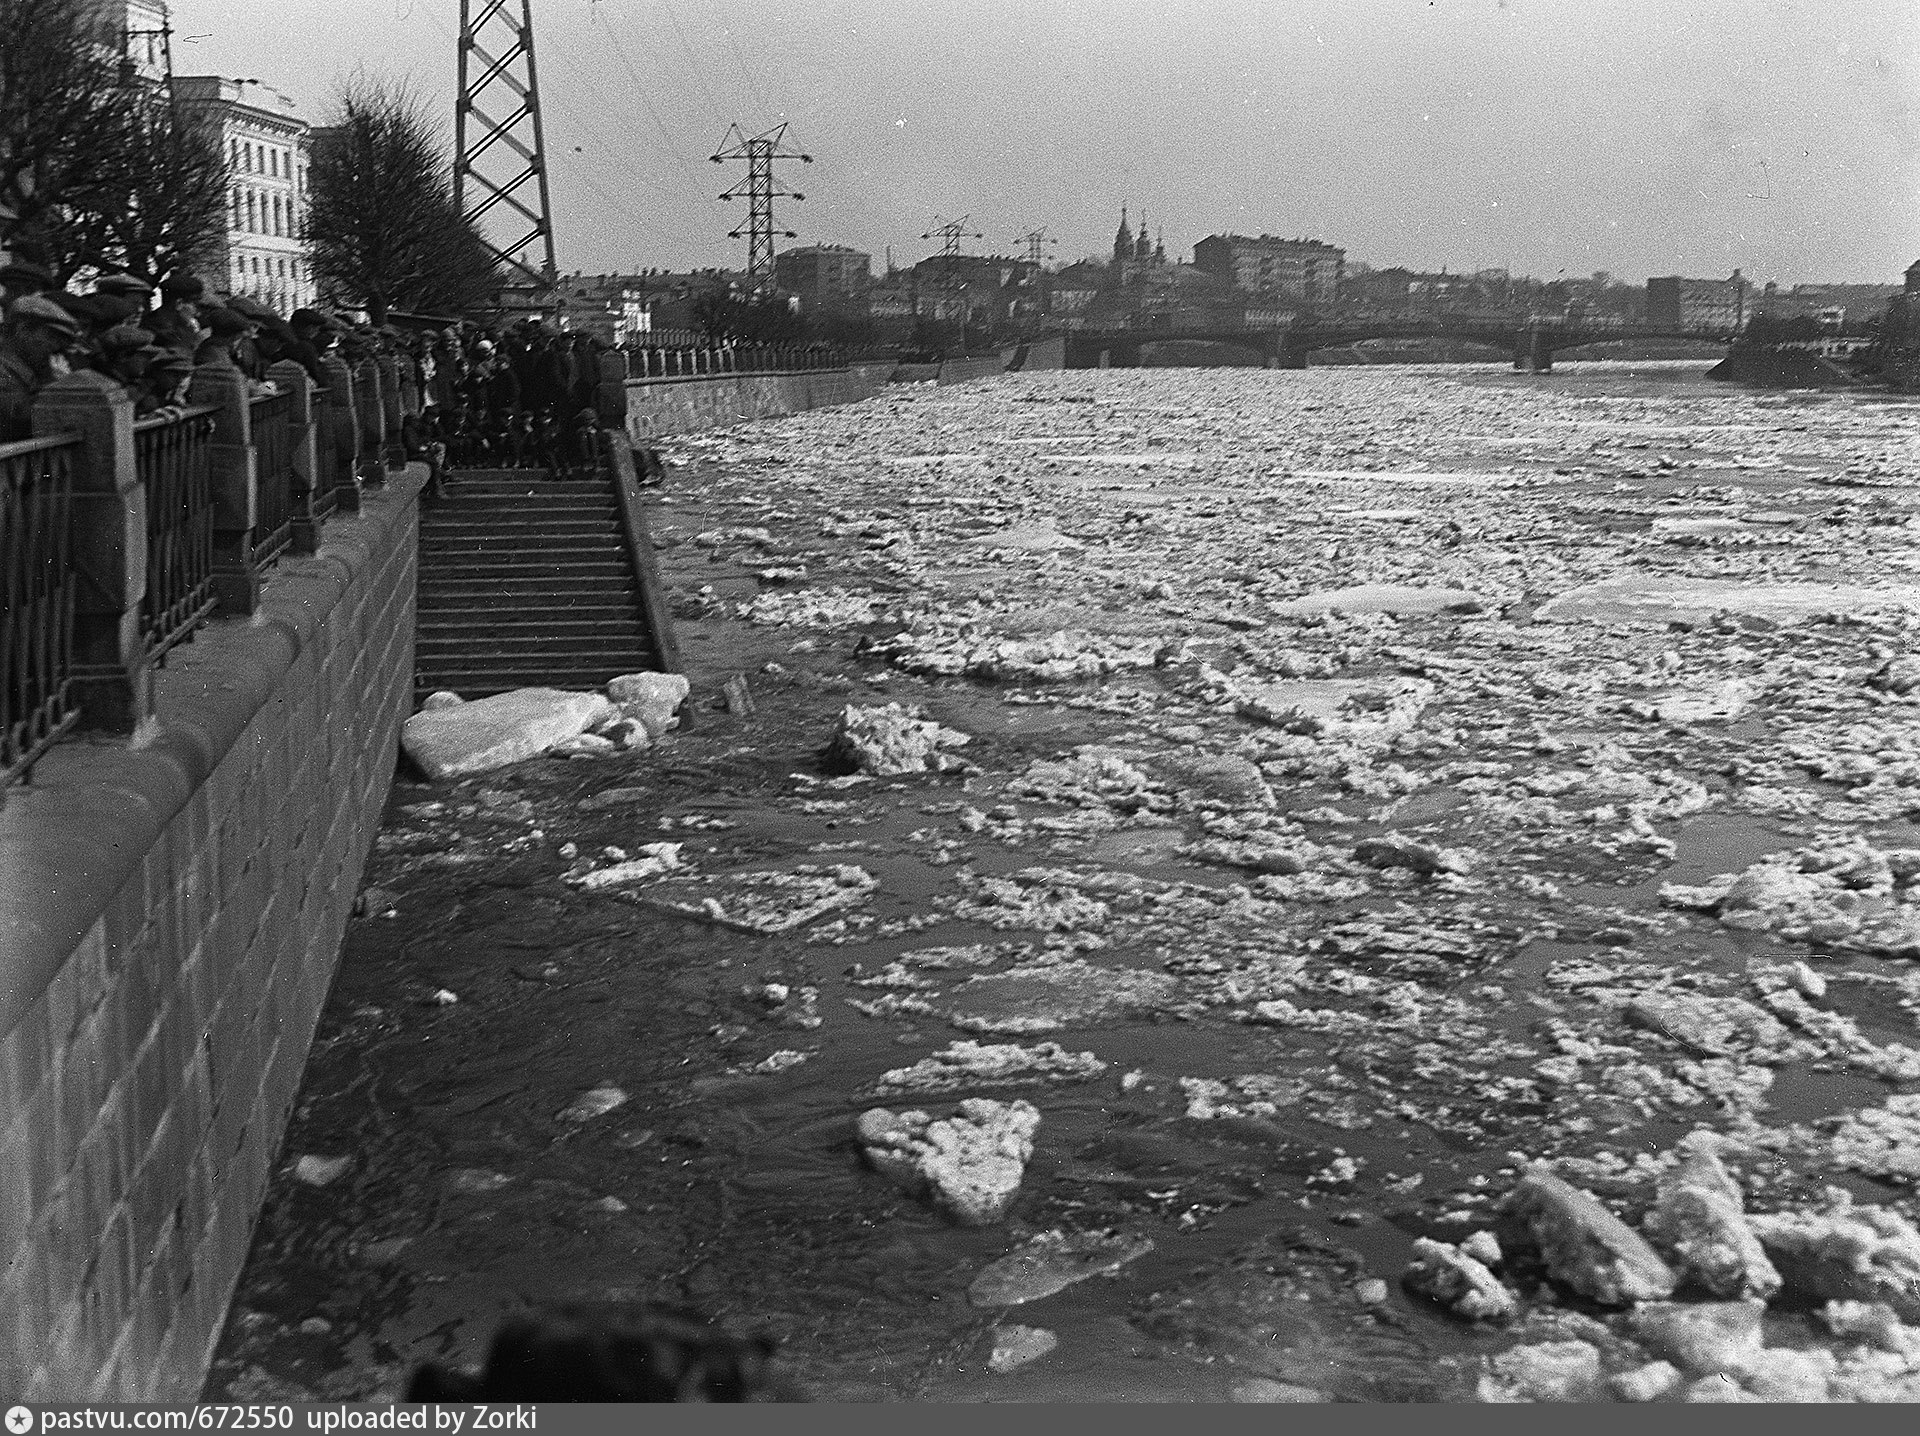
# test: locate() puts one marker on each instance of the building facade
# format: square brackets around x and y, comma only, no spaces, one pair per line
[262,254]
[1304,270]
[1697,303]
[825,277]
[149,39]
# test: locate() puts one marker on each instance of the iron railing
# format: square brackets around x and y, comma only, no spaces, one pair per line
[687,361]
[36,600]
[175,462]
[272,425]
[328,475]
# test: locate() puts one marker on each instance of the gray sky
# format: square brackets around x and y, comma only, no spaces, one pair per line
[1637,136]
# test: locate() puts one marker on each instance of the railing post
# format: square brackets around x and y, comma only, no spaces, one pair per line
[610,394]
[370,408]
[236,485]
[112,676]
[391,411]
[343,416]
[291,378]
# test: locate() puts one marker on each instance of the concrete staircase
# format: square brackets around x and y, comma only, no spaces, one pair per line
[528,581]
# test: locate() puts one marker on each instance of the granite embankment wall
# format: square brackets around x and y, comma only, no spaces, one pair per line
[171,913]
[681,405]
[1900,332]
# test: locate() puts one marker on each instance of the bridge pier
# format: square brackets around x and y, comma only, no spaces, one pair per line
[1531,354]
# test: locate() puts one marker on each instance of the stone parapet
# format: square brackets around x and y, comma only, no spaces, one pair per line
[661,406]
[170,916]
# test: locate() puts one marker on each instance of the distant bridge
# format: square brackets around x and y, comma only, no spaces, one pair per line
[1532,341]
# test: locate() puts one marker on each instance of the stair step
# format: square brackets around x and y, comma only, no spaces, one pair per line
[459,551]
[560,565]
[528,588]
[474,683]
[621,599]
[526,580]
[584,633]
[507,519]
[517,501]
[484,536]
[522,627]
[611,609]
[516,525]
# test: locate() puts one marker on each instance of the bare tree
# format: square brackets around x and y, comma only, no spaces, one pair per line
[63,111]
[381,221]
[160,200]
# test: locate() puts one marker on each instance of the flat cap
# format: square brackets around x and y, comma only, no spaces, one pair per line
[19,274]
[127,286]
[124,339]
[38,310]
[224,322]
[108,310]
[182,286]
[253,309]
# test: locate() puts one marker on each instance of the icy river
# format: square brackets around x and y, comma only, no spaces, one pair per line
[1433,850]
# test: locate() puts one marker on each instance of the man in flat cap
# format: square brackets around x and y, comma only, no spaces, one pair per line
[262,345]
[225,328]
[307,338]
[130,287]
[176,323]
[21,276]
[34,342]
[124,355]
[164,385]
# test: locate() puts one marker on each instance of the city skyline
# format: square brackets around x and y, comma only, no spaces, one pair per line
[1537,135]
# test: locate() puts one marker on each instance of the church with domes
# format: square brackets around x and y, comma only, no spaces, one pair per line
[1129,249]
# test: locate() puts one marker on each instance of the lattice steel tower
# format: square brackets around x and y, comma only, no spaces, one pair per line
[501,163]
[950,232]
[1036,241]
[759,151]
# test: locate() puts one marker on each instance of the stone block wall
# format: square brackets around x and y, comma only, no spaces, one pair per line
[659,407]
[171,912]
[984,366]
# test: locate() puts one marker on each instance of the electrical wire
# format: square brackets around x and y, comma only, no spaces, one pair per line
[588,131]
[767,110]
[693,62]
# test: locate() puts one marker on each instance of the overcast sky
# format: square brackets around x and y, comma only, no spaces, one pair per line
[1548,136]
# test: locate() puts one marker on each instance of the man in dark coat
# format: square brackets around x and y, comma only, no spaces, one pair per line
[34,341]
[21,276]
[176,323]
[226,330]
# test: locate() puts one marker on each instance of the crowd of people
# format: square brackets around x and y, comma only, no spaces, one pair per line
[471,396]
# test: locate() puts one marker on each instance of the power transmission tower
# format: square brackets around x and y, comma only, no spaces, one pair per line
[759,151]
[1036,241]
[502,163]
[950,232]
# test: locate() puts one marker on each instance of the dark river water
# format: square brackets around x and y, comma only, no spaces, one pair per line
[1303,1064]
